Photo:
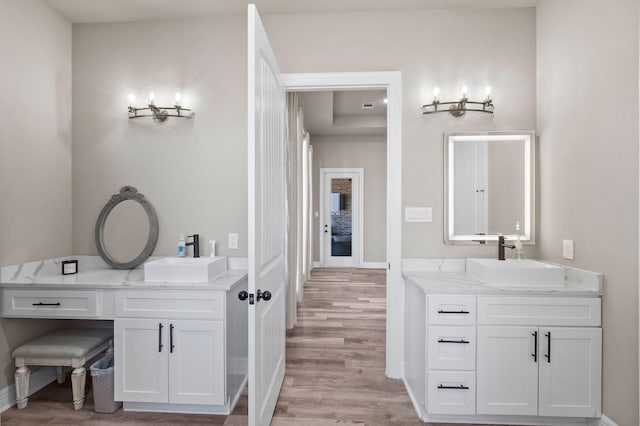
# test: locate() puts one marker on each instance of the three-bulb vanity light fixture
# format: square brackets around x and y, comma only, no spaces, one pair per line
[159,113]
[460,107]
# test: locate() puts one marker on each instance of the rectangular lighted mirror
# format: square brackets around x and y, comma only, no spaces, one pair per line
[489,186]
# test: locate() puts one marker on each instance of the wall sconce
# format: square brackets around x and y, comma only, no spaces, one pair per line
[159,113]
[460,107]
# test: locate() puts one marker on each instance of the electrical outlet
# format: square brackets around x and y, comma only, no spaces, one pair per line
[233,241]
[567,249]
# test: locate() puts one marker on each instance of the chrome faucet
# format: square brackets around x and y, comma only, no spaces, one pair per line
[501,246]
[196,244]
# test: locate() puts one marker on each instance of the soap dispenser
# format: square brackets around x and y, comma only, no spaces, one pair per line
[517,252]
[182,246]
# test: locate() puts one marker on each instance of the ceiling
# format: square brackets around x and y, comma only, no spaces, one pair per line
[341,113]
[92,11]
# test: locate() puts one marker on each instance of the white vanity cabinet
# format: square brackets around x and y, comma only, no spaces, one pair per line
[542,368]
[175,352]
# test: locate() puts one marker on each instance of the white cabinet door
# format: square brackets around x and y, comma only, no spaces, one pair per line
[507,374]
[570,371]
[141,360]
[196,362]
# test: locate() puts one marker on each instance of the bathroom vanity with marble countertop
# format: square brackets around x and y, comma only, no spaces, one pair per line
[477,352]
[179,347]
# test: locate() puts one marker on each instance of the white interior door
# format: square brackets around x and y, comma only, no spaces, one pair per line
[341,209]
[267,226]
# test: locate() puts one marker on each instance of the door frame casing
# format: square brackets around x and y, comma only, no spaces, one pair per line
[360,219]
[392,82]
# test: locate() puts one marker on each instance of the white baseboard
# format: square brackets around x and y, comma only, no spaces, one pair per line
[374,265]
[606,421]
[37,381]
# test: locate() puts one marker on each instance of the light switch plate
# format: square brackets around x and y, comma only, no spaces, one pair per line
[567,249]
[418,214]
[233,241]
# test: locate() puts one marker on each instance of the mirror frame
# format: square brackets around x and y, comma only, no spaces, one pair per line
[528,232]
[127,193]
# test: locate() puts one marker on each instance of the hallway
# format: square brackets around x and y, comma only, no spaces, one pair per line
[336,355]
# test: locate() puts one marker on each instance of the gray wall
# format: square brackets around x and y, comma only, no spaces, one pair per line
[35,150]
[589,168]
[193,171]
[369,153]
[488,46]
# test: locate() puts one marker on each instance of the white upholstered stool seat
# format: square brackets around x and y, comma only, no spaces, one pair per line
[70,347]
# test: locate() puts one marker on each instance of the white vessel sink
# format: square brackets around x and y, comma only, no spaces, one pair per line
[516,272]
[184,269]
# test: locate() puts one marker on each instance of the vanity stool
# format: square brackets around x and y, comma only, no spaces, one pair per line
[69,347]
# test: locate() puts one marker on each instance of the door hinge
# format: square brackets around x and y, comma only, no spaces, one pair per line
[389,266]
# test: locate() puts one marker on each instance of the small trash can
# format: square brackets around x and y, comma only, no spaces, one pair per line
[102,379]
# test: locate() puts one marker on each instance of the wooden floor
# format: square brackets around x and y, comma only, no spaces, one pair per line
[335,368]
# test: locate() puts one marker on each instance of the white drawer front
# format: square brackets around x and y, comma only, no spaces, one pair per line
[50,303]
[451,348]
[170,304]
[451,310]
[451,392]
[543,311]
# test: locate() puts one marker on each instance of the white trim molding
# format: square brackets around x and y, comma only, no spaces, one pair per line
[37,381]
[391,81]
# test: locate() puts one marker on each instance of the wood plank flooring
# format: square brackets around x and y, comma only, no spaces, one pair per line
[335,368]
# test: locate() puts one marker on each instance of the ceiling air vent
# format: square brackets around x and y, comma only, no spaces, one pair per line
[368,105]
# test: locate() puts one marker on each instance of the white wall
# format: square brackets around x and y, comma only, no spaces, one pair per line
[429,47]
[587,69]
[369,153]
[193,171]
[35,149]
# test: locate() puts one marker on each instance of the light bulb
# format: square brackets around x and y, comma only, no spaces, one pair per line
[385,100]
[152,98]
[132,99]
[178,99]
[436,93]
[465,90]
[487,93]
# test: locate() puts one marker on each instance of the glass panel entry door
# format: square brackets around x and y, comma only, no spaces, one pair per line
[341,217]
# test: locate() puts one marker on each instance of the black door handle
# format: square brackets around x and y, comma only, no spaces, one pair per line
[160,337]
[171,338]
[535,346]
[243,295]
[548,355]
[266,296]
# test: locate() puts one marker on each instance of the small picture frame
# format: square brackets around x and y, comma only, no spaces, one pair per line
[69,267]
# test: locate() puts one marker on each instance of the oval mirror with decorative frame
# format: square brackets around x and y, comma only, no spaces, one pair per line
[489,186]
[126,232]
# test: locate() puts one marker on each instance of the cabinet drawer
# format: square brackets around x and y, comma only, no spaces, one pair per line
[451,392]
[170,304]
[451,348]
[544,311]
[451,310]
[50,303]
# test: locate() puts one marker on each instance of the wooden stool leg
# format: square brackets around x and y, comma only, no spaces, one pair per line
[60,374]
[78,381]
[22,386]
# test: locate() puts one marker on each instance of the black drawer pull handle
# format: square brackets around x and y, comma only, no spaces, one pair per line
[46,304]
[171,346]
[452,341]
[160,345]
[535,346]
[453,312]
[461,387]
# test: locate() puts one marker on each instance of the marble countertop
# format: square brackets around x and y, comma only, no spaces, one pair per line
[93,273]
[449,277]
